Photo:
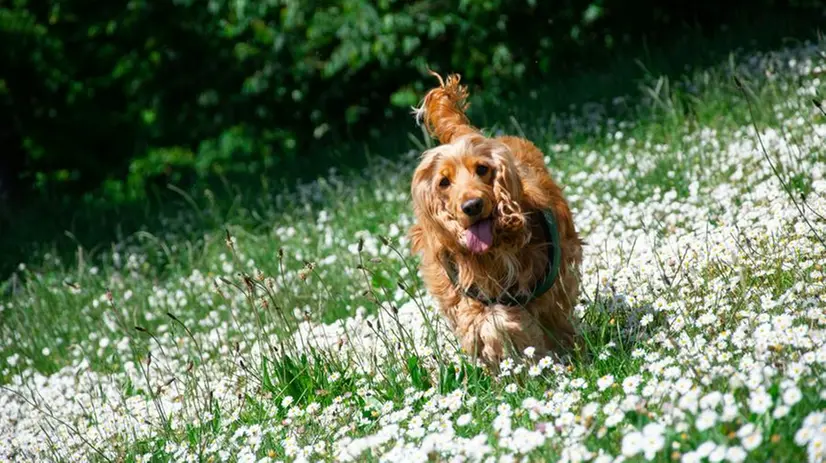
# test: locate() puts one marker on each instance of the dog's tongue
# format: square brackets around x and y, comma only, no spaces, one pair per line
[479,236]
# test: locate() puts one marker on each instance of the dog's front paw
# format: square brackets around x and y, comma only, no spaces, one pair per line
[500,332]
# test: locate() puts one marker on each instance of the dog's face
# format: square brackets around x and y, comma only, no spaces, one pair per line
[466,195]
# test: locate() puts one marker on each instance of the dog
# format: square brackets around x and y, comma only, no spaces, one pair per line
[499,250]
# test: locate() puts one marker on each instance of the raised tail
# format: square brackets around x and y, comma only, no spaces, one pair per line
[443,110]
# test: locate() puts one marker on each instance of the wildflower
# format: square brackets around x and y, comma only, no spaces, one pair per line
[605,382]
[752,440]
[780,411]
[506,364]
[632,444]
[653,440]
[579,383]
[792,396]
[464,420]
[590,410]
[614,419]
[545,362]
[803,436]
[630,384]
[735,454]
[705,420]
[529,352]
[759,401]
[718,454]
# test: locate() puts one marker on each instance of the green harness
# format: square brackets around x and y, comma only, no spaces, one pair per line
[507,298]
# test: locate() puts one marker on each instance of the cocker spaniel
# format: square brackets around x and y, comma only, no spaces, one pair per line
[499,250]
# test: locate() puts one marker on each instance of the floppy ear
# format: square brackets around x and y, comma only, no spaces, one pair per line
[507,187]
[424,207]
[421,189]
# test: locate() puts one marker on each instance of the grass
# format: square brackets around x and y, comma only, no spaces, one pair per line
[293,325]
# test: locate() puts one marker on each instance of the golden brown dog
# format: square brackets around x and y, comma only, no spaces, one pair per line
[494,231]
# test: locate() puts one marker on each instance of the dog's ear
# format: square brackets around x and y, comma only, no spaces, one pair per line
[421,187]
[507,187]
[421,192]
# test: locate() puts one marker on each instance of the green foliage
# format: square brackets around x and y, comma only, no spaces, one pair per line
[418,374]
[137,90]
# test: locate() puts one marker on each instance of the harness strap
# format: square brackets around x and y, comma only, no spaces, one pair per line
[551,229]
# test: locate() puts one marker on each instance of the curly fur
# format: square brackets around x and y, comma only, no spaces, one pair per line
[516,185]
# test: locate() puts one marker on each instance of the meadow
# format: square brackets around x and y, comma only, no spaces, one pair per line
[299,329]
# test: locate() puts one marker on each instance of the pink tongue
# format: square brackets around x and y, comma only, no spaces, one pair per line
[479,236]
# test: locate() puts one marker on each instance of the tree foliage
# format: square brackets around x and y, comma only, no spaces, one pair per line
[119,92]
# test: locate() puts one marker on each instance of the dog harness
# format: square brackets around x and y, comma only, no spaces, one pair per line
[549,225]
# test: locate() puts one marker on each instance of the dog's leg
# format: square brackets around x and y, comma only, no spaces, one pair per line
[495,333]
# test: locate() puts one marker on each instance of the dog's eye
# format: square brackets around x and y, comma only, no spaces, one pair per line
[482,170]
[445,182]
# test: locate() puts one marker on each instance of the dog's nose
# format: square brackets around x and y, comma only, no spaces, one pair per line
[472,207]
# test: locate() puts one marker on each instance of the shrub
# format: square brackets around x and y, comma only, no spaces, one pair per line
[135,90]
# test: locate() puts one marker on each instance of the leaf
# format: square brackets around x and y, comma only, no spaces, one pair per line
[148,116]
[418,375]
[265,377]
[404,98]
[592,13]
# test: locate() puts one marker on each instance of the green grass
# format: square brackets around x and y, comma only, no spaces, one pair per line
[199,328]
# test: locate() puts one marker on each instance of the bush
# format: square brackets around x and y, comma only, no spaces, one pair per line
[129,91]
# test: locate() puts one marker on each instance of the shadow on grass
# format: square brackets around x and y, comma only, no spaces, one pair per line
[611,331]
[62,225]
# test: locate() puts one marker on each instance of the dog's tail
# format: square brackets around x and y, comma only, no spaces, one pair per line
[443,110]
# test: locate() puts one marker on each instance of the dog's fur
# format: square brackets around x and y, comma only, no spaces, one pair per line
[516,184]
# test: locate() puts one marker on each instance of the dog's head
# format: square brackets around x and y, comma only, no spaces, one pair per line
[466,196]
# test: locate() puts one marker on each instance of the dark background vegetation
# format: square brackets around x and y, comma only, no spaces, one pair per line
[103,104]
